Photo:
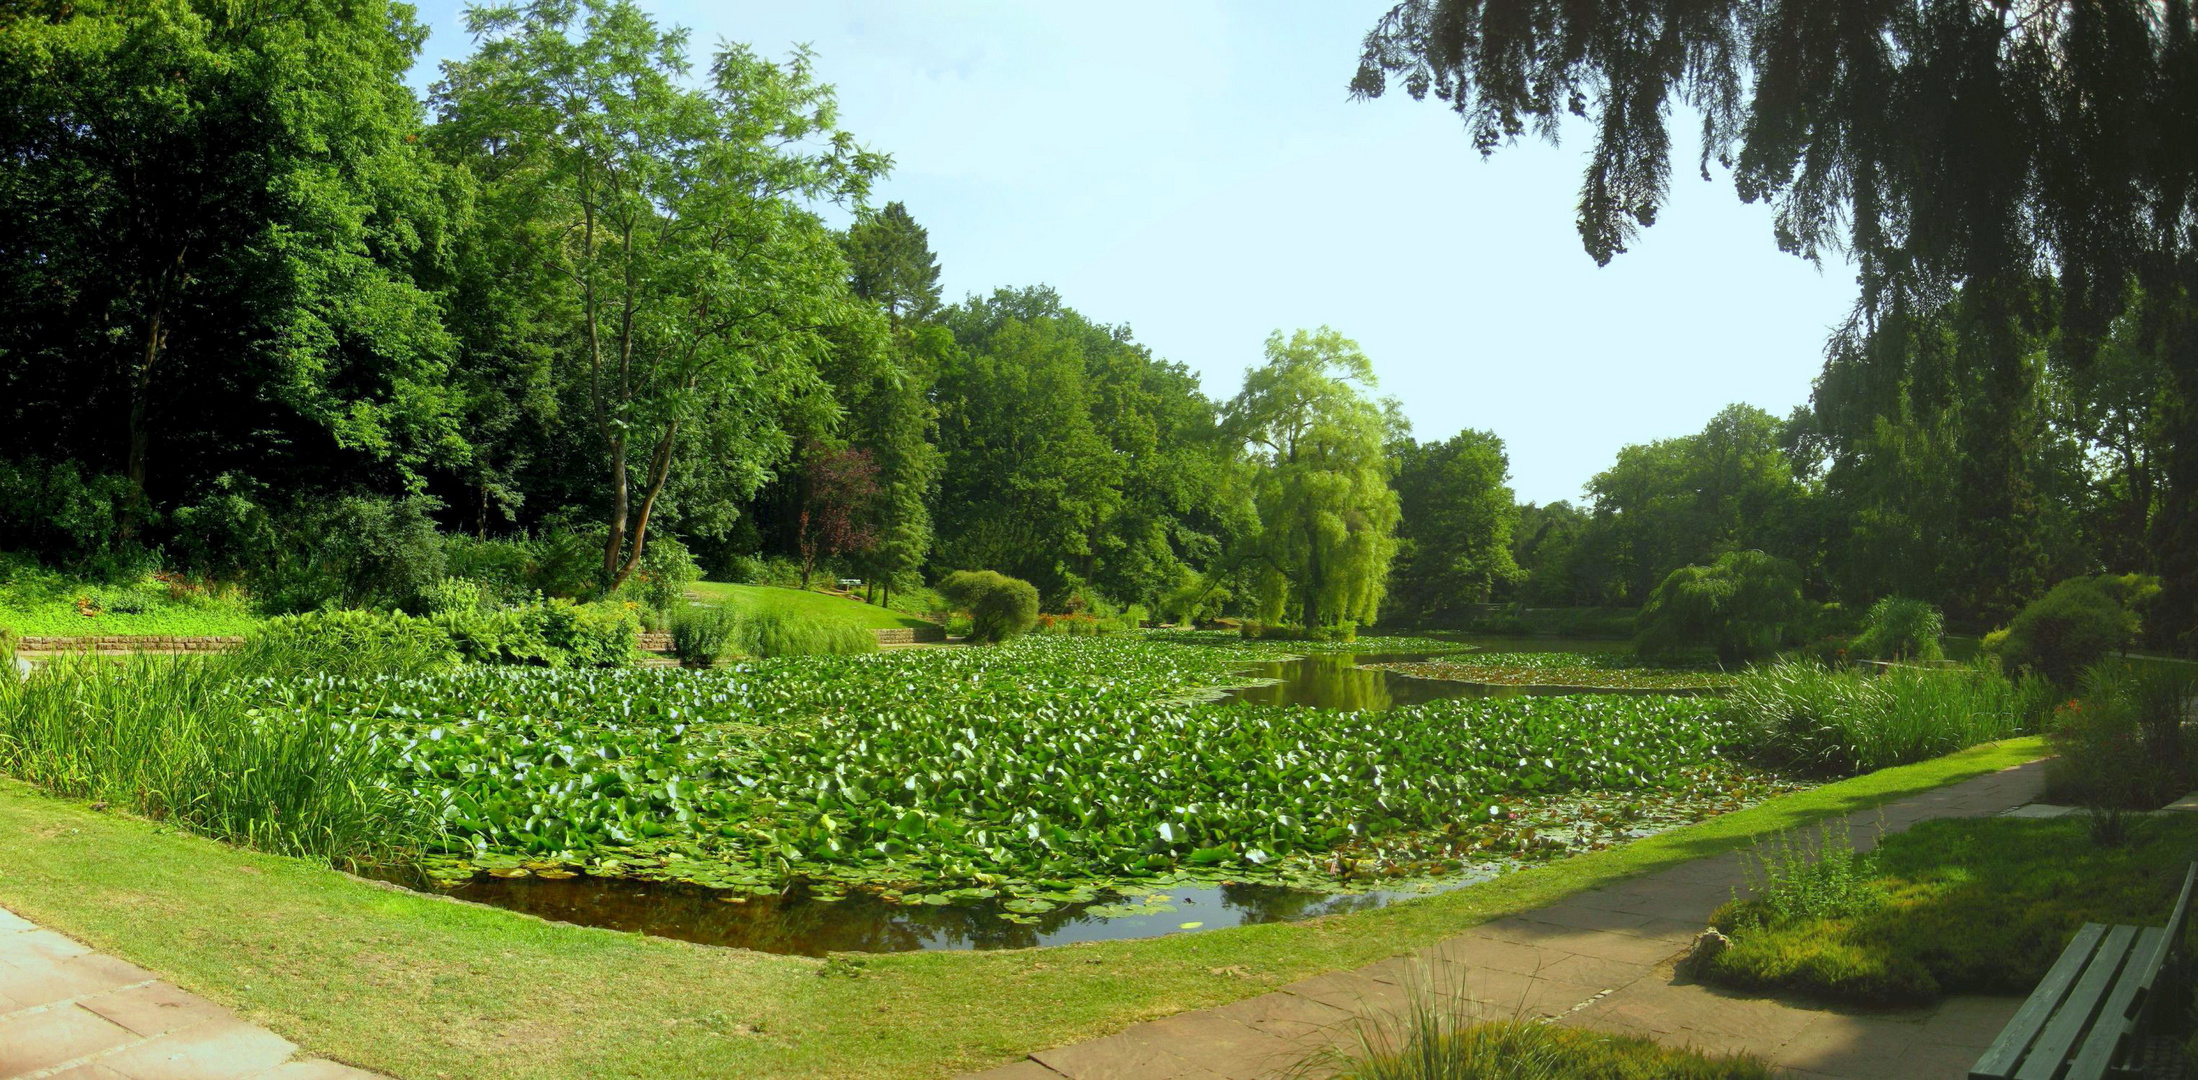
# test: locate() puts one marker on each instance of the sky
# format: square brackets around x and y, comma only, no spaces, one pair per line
[1197,172]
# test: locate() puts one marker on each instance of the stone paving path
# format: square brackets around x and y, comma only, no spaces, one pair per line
[1602,959]
[66,1011]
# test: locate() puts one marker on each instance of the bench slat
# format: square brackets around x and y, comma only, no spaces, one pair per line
[2069,1021]
[2118,1017]
[1999,1060]
[2157,959]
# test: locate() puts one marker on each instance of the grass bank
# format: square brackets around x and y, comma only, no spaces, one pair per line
[748,599]
[419,986]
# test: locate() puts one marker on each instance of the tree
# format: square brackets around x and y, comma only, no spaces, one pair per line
[693,281]
[893,266]
[1327,516]
[840,487]
[1676,502]
[2034,156]
[1454,536]
[1745,605]
[211,217]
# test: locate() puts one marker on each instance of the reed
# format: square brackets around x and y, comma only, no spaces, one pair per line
[181,740]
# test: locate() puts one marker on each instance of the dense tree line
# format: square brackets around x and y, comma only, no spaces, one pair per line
[267,303]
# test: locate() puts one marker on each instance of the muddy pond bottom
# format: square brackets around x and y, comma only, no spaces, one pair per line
[801,924]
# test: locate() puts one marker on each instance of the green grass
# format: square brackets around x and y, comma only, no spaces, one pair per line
[419,986]
[1432,1048]
[1980,905]
[748,599]
[162,620]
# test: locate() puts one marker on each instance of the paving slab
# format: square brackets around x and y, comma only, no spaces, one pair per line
[1601,960]
[69,1013]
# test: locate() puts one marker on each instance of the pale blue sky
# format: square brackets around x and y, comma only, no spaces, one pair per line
[1197,171]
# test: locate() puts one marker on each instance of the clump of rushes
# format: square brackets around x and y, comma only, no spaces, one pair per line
[772,632]
[175,739]
[1843,722]
[701,636]
[1438,1037]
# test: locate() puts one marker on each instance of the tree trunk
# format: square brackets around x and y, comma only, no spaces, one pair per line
[660,469]
[1313,580]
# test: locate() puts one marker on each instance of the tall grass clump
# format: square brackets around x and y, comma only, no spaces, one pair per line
[354,644]
[701,636]
[1901,629]
[1438,1038]
[1798,713]
[772,632]
[180,740]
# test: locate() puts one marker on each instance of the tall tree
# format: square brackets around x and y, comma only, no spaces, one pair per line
[695,282]
[1454,538]
[893,265]
[1327,516]
[1945,144]
[210,219]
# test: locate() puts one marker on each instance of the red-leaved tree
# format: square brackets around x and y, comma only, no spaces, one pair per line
[838,490]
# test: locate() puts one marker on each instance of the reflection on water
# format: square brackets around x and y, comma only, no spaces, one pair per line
[800,924]
[1337,681]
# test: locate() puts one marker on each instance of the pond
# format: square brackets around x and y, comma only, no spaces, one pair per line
[800,921]
[1341,681]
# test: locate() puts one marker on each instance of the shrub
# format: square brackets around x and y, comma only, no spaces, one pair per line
[548,632]
[1901,629]
[2122,744]
[356,552]
[456,595]
[1845,722]
[999,606]
[2073,626]
[773,632]
[503,568]
[346,643]
[1746,605]
[1793,878]
[701,636]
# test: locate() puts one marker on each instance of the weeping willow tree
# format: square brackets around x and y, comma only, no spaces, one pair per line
[2028,161]
[1745,605]
[1327,516]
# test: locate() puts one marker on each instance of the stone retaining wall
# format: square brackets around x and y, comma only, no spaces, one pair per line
[126,643]
[659,642]
[910,635]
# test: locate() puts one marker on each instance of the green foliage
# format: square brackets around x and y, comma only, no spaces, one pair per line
[700,271]
[793,767]
[1901,629]
[2122,744]
[1954,906]
[1455,527]
[2073,626]
[1613,671]
[1320,481]
[1792,878]
[1437,1038]
[546,632]
[701,636]
[999,607]
[1845,722]
[354,552]
[456,595]
[770,632]
[175,740]
[346,644]
[1744,606]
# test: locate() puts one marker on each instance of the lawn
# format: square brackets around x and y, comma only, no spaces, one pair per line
[414,985]
[802,602]
[1955,906]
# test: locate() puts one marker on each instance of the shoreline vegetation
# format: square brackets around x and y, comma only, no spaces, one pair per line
[401,982]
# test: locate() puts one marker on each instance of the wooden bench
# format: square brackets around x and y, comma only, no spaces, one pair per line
[2083,1022]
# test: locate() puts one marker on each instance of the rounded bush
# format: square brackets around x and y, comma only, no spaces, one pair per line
[2073,626]
[999,606]
[1748,604]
